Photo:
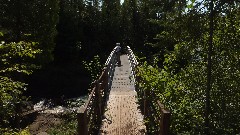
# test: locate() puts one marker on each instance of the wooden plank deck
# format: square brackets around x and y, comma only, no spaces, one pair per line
[122,114]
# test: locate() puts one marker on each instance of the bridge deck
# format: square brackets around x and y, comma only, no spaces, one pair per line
[122,115]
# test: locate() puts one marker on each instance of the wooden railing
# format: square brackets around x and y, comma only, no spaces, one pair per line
[110,65]
[155,113]
[133,62]
[90,115]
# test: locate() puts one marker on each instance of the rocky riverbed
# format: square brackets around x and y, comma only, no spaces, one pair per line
[65,105]
[52,114]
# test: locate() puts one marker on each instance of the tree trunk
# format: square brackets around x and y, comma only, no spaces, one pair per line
[209,70]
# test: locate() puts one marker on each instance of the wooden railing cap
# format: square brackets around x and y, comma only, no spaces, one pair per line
[81,109]
[162,107]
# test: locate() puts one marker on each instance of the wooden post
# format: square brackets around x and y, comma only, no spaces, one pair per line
[108,75]
[82,122]
[17,115]
[98,102]
[105,79]
[145,103]
[137,82]
[165,122]
[105,85]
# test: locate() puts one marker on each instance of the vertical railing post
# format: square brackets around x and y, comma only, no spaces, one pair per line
[108,76]
[137,82]
[115,57]
[82,122]
[17,115]
[146,102]
[98,102]
[105,79]
[104,85]
[165,122]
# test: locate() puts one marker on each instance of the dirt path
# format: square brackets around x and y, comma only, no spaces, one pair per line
[43,122]
[122,116]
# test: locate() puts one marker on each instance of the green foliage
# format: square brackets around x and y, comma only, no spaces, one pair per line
[174,91]
[68,127]
[94,67]
[15,132]
[16,61]
[180,81]
[10,94]
[18,57]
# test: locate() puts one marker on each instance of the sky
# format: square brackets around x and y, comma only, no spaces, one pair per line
[122,1]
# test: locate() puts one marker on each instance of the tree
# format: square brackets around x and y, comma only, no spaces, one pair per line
[68,42]
[32,20]
[16,60]
[110,24]
[209,68]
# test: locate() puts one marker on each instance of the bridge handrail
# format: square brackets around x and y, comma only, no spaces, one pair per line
[150,105]
[90,115]
[133,62]
[111,55]
[110,64]
[133,57]
[153,109]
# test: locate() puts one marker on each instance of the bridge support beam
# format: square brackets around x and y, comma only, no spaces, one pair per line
[82,128]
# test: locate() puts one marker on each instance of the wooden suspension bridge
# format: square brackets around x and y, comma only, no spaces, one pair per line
[116,106]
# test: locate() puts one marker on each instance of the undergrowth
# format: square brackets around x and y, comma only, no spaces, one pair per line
[67,127]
